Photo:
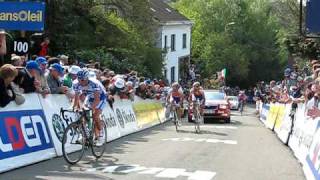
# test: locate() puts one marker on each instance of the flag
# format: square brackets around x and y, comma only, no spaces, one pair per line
[224,73]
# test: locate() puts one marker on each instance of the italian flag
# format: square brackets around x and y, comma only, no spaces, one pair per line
[224,73]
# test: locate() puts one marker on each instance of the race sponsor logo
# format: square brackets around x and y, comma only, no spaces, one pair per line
[110,120]
[157,172]
[59,126]
[23,132]
[124,117]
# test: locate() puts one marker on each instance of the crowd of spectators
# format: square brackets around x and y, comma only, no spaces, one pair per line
[55,75]
[299,85]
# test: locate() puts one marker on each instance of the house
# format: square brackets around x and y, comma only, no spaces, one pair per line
[174,37]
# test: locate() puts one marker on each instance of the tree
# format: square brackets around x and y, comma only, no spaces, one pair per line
[242,36]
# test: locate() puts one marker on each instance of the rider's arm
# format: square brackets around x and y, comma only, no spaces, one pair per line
[76,101]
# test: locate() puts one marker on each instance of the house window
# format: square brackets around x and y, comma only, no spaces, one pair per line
[173,69]
[165,42]
[184,41]
[173,42]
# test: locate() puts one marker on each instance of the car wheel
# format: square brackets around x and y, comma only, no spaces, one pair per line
[228,120]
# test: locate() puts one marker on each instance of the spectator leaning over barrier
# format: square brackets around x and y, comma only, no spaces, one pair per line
[44,87]
[54,79]
[8,90]
[141,90]
[27,78]
[71,76]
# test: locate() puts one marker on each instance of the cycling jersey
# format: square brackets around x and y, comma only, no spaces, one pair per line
[176,96]
[89,91]
[197,95]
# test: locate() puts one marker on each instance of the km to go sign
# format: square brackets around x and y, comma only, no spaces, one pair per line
[21,47]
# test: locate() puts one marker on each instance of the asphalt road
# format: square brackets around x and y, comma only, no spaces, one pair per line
[242,150]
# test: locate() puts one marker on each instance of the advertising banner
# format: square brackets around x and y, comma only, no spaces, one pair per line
[126,117]
[28,16]
[24,135]
[311,166]
[148,112]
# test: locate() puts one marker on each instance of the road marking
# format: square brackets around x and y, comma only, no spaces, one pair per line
[215,127]
[201,140]
[156,171]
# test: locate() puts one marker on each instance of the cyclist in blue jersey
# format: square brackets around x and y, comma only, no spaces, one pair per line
[95,98]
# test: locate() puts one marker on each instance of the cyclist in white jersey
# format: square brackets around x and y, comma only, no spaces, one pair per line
[95,98]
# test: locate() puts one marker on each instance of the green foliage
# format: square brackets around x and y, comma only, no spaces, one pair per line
[89,31]
[242,36]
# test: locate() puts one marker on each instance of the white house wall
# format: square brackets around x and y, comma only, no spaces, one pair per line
[172,58]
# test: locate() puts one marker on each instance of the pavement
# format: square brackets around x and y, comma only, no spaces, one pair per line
[241,150]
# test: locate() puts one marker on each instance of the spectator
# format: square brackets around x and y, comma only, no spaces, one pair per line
[44,47]
[44,87]
[141,90]
[16,61]
[8,92]
[27,78]
[64,60]
[71,76]
[53,78]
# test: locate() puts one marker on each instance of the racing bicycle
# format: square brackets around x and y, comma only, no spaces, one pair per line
[241,107]
[79,135]
[197,115]
[174,115]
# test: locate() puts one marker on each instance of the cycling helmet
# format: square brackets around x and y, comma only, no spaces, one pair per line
[196,84]
[84,74]
[175,84]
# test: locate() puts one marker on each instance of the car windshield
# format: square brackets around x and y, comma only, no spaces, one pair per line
[214,96]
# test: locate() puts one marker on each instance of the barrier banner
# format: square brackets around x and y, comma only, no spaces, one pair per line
[279,117]
[272,116]
[302,135]
[265,108]
[113,126]
[286,126]
[52,105]
[312,165]
[24,135]
[148,112]
[125,115]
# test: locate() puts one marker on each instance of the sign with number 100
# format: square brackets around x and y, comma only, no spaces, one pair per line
[21,47]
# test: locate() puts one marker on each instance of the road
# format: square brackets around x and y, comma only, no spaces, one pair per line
[242,150]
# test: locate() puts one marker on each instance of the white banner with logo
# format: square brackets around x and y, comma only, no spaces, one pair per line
[302,135]
[311,166]
[125,116]
[52,106]
[112,122]
[24,134]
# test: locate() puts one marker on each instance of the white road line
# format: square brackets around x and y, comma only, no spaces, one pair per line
[171,173]
[201,140]
[214,127]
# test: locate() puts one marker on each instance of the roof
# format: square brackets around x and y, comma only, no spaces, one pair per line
[164,13]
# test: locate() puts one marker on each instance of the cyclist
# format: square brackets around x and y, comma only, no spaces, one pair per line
[242,99]
[197,93]
[95,97]
[175,98]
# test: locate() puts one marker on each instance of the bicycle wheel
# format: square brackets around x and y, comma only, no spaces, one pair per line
[98,151]
[73,143]
[198,121]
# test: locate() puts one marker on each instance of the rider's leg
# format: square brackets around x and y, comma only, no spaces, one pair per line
[96,119]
